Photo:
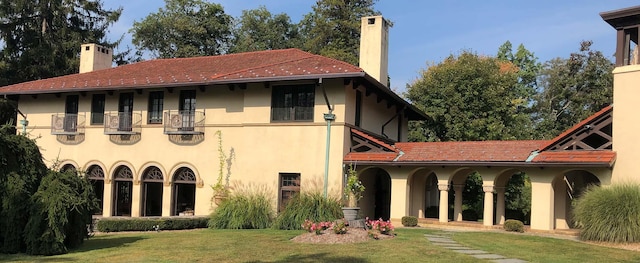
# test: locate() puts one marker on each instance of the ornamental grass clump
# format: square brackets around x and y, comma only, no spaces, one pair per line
[311,206]
[244,210]
[609,214]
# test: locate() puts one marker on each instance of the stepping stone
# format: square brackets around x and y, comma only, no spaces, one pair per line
[441,240]
[444,244]
[427,235]
[457,248]
[470,251]
[509,260]
[488,256]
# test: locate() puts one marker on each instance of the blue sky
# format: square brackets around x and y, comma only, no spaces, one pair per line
[428,31]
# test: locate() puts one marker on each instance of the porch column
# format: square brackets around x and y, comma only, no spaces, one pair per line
[457,204]
[542,205]
[399,194]
[136,198]
[443,215]
[500,216]
[107,201]
[166,199]
[488,205]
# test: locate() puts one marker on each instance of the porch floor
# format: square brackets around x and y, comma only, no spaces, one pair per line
[478,226]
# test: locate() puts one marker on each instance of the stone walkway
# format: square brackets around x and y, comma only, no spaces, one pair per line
[445,241]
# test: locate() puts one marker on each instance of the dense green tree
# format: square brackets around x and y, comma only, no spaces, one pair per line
[258,29]
[61,210]
[184,28]
[41,39]
[469,98]
[21,169]
[332,28]
[528,69]
[572,89]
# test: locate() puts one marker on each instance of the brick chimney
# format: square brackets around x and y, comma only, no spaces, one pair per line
[95,57]
[374,47]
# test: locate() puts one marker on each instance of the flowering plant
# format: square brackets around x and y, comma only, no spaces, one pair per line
[316,227]
[353,188]
[381,226]
[340,227]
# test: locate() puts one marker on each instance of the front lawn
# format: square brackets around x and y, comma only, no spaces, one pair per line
[274,246]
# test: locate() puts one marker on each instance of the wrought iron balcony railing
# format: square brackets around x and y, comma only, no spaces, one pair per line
[184,122]
[122,123]
[67,124]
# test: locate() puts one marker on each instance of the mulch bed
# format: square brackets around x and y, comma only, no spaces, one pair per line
[354,235]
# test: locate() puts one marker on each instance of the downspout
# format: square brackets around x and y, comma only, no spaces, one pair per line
[328,117]
[390,120]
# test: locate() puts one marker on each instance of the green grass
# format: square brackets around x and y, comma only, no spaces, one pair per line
[268,245]
[543,249]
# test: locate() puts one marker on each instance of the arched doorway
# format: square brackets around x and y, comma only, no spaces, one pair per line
[95,174]
[376,199]
[512,197]
[152,182]
[424,194]
[122,191]
[466,201]
[68,168]
[184,192]
[567,188]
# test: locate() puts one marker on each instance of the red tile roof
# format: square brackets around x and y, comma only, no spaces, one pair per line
[241,67]
[577,127]
[520,153]
[577,157]
[474,151]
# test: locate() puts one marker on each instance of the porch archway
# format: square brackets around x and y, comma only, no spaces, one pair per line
[152,186]
[376,199]
[567,187]
[183,192]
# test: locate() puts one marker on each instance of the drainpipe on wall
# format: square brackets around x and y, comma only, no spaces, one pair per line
[24,122]
[328,117]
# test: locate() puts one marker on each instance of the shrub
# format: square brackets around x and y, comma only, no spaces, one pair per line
[409,221]
[470,215]
[243,210]
[513,225]
[609,214]
[308,206]
[340,227]
[149,224]
[61,211]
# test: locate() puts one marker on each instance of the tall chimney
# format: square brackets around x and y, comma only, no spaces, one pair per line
[95,57]
[374,47]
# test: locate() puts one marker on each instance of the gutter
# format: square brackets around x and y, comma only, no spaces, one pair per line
[482,164]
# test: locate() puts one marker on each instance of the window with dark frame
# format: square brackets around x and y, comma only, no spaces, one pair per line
[97,109]
[293,103]
[154,113]
[125,112]
[71,113]
[289,186]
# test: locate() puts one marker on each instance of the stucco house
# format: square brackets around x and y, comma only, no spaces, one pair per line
[147,133]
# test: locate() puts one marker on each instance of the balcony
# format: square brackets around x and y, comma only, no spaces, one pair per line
[67,124]
[122,123]
[184,122]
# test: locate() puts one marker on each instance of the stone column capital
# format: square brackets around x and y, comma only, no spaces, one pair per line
[488,188]
[443,187]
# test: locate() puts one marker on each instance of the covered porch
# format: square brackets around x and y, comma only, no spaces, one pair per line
[430,179]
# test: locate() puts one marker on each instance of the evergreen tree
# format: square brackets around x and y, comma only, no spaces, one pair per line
[41,39]
[332,28]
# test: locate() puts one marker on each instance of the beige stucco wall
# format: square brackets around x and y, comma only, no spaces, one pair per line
[262,148]
[626,98]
